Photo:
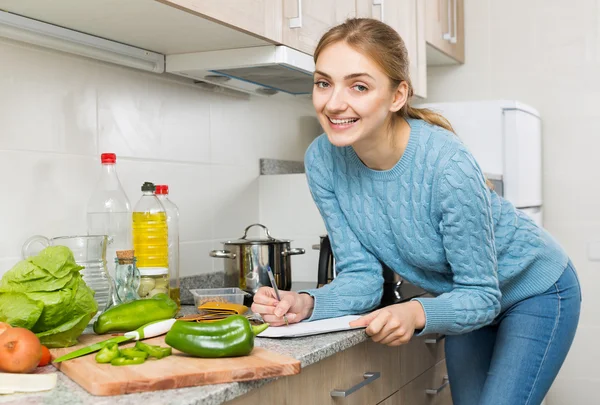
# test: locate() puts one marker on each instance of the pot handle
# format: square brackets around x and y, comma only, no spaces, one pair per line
[297,251]
[222,254]
[262,226]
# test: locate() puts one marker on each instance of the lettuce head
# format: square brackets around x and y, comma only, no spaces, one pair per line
[47,295]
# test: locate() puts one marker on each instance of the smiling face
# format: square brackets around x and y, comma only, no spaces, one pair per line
[352,96]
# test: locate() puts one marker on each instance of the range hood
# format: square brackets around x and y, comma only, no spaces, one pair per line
[262,70]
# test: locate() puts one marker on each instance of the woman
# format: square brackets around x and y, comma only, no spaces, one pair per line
[395,185]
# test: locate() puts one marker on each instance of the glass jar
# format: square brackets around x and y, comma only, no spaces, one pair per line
[153,282]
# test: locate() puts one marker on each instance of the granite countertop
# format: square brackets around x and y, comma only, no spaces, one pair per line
[308,350]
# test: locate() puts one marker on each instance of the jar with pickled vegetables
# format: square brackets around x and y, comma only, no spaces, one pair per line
[152,282]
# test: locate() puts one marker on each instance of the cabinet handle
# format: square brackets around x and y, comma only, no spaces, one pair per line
[296,22]
[454,37]
[448,35]
[435,340]
[380,3]
[435,391]
[369,377]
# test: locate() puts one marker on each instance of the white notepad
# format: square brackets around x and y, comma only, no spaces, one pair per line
[310,328]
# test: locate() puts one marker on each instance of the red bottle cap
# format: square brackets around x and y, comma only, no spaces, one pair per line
[108,158]
[162,189]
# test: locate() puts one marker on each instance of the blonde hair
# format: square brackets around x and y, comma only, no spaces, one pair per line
[384,46]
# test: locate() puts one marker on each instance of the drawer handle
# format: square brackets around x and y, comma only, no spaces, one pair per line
[435,340]
[439,389]
[296,22]
[369,377]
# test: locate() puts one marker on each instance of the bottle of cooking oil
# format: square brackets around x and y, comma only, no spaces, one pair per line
[162,193]
[151,243]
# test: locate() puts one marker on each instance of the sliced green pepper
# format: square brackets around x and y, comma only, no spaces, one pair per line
[108,353]
[125,361]
[131,315]
[154,351]
[231,337]
[133,353]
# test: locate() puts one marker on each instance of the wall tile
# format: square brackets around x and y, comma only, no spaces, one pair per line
[47,195]
[195,259]
[244,131]
[142,116]
[235,199]
[43,106]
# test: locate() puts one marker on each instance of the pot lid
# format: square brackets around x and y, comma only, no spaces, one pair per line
[245,240]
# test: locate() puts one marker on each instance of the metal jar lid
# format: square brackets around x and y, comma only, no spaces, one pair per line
[244,240]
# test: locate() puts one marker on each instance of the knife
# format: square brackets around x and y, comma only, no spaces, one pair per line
[274,285]
[149,330]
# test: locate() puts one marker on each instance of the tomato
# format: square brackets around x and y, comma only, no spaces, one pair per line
[46,357]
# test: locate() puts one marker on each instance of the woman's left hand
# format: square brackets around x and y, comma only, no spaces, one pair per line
[393,325]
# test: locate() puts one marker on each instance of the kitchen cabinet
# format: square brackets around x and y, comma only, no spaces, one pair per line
[445,33]
[407,17]
[378,371]
[430,388]
[256,17]
[305,21]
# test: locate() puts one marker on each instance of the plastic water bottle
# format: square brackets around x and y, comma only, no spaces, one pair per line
[109,211]
[150,243]
[162,192]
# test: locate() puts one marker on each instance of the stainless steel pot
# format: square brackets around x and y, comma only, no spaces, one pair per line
[246,261]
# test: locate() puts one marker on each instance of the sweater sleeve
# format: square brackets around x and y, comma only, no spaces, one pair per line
[466,226]
[358,286]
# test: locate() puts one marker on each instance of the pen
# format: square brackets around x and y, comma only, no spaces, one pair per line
[274,285]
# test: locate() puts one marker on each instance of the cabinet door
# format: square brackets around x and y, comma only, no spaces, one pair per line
[445,32]
[407,17]
[305,21]
[430,388]
[260,18]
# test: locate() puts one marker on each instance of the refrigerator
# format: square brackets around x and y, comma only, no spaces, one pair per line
[505,137]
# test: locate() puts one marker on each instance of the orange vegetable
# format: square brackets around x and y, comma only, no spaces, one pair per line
[4,326]
[20,351]
[46,357]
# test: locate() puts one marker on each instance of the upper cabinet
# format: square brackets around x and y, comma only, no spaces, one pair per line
[305,21]
[256,17]
[407,17]
[432,29]
[445,32]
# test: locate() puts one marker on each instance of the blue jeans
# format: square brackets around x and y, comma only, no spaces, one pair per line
[514,360]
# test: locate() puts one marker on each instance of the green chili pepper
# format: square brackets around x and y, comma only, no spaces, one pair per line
[125,361]
[231,337]
[154,351]
[108,353]
[131,315]
[132,353]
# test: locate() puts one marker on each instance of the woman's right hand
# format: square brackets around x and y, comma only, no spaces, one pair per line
[295,306]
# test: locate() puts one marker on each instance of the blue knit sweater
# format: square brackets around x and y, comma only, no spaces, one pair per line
[432,219]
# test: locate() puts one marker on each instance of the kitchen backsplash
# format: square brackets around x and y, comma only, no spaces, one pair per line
[59,112]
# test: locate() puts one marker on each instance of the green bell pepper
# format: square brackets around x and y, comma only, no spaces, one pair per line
[131,315]
[108,353]
[125,361]
[132,353]
[230,337]
[154,351]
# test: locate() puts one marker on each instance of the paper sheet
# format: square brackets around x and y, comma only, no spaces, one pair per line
[310,328]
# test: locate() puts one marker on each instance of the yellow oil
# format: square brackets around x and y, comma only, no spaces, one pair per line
[150,239]
[174,294]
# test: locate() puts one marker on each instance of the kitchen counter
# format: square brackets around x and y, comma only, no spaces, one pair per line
[308,350]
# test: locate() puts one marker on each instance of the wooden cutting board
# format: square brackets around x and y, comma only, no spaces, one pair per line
[175,371]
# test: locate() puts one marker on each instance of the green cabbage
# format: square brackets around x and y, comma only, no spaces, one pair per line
[47,295]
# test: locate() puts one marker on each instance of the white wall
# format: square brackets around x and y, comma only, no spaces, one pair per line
[58,112]
[546,53]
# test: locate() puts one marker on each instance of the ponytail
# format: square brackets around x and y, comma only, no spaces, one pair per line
[432,118]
